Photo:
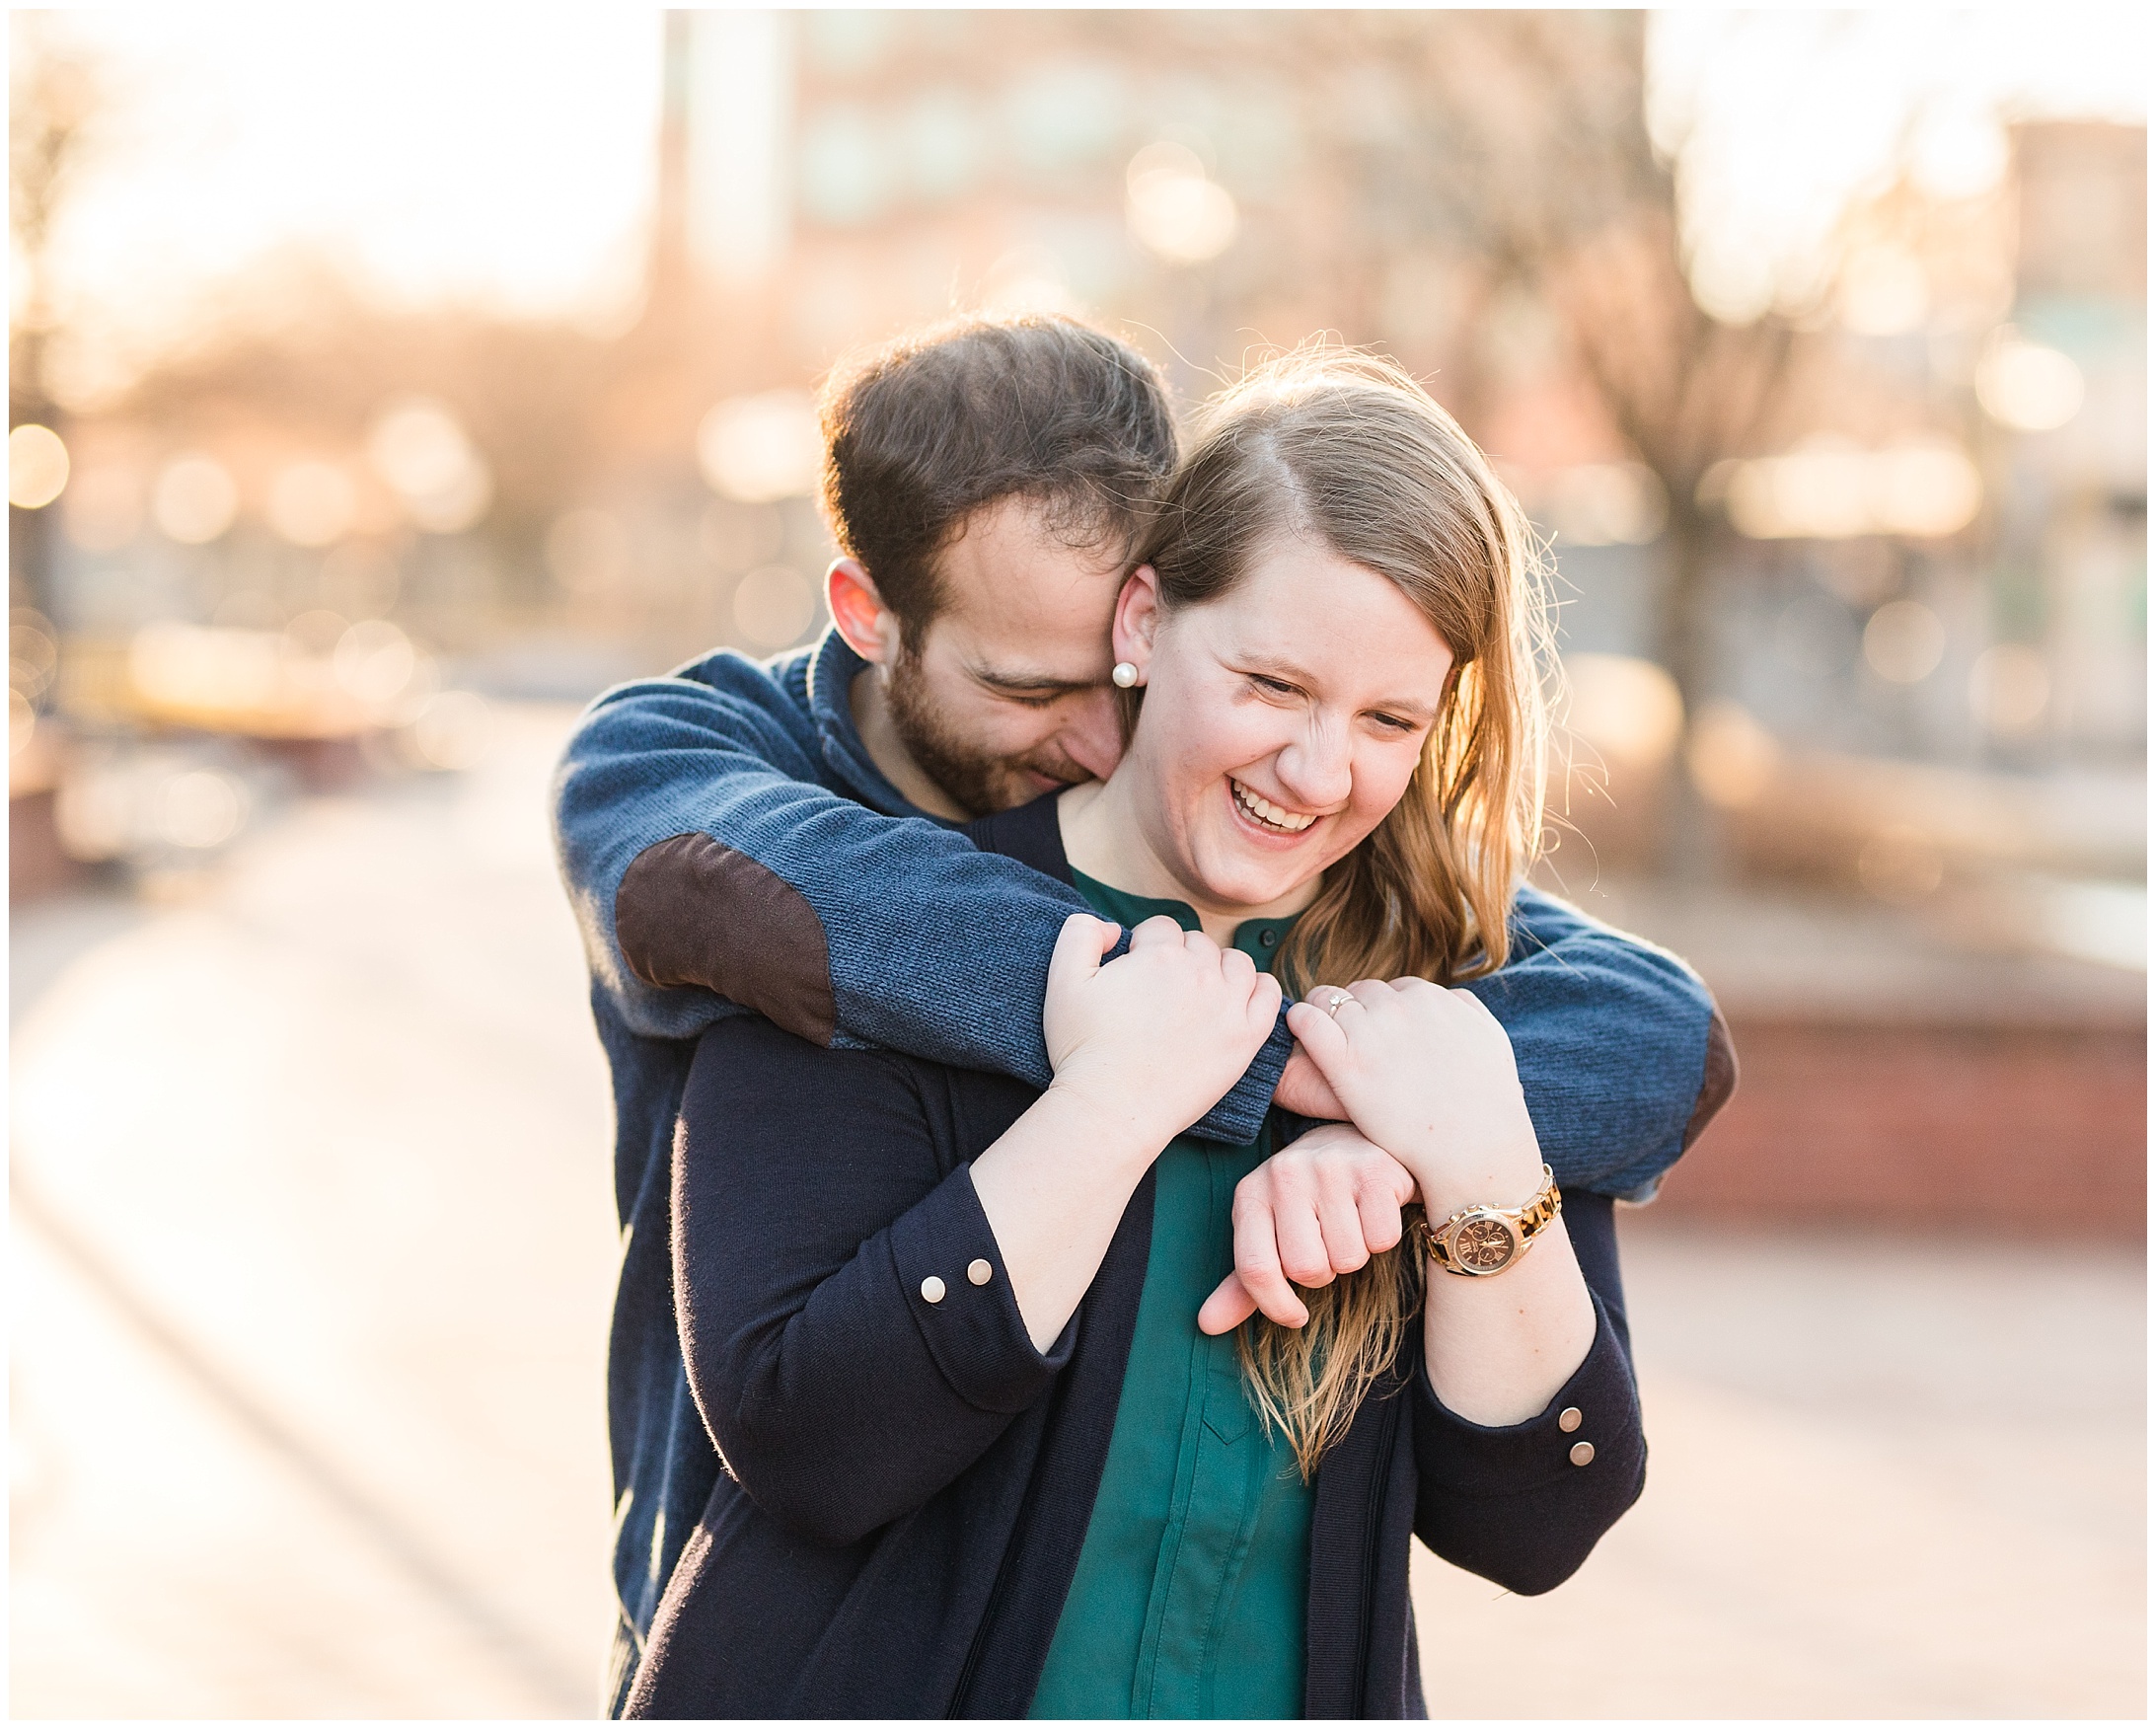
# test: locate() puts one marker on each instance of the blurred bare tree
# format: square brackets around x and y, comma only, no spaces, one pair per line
[1527,145]
[55,98]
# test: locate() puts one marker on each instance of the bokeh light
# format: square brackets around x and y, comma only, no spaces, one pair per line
[2028,386]
[1175,212]
[1733,759]
[761,448]
[1904,641]
[37,467]
[1831,488]
[420,449]
[1628,708]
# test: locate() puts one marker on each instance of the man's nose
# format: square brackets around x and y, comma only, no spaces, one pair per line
[1093,734]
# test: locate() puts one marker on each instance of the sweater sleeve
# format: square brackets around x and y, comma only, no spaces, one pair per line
[1524,1505]
[1622,1055]
[850,1331]
[714,866]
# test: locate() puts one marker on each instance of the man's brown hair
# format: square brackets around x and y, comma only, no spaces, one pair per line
[922,432]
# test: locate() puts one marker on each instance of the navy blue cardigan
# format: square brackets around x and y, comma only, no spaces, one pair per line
[908,1483]
[727,845]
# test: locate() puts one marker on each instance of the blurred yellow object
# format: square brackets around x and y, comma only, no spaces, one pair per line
[37,467]
[2026,386]
[255,683]
[1627,708]
[1831,490]
[758,449]
[1174,210]
[418,446]
[1732,757]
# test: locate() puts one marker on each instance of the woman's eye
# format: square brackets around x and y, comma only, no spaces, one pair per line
[1271,687]
[1394,723]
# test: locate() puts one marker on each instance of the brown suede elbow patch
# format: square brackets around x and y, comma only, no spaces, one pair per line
[691,911]
[1718,1082]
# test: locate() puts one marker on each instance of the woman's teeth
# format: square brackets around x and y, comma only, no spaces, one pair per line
[1264,811]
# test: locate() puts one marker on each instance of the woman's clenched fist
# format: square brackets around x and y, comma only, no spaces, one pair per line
[1154,1039]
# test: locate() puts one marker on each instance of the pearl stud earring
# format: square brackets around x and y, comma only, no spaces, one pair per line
[1124,675]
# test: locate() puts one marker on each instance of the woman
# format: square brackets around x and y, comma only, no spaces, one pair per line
[946,1332]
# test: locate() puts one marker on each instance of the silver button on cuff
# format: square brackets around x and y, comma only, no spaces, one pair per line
[933,1289]
[1582,1452]
[1569,1418]
[980,1272]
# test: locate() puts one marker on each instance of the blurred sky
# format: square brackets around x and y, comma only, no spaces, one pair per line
[446,154]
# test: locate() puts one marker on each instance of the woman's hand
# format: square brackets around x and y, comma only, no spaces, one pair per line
[1142,1048]
[1317,1209]
[1153,1039]
[1428,1075]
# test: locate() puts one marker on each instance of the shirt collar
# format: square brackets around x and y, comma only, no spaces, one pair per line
[831,667]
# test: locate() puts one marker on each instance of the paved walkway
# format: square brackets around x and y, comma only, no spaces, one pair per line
[313,1249]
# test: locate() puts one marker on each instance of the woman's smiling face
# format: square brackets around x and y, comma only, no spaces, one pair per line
[1282,722]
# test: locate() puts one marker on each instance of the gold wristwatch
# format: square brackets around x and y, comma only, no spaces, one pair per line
[1480,1242]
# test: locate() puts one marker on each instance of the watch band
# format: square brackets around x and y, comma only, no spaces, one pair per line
[1479,1242]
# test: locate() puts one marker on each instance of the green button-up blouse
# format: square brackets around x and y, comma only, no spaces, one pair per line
[1189,1595]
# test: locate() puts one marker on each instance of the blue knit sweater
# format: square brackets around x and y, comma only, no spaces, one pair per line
[729,847]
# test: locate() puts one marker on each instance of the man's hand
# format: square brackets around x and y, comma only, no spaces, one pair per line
[1317,1209]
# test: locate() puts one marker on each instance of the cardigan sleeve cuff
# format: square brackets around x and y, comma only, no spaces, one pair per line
[1238,1117]
[952,1278]
[1599,1402]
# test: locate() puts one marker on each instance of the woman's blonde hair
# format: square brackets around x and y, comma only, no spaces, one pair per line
[1345,448]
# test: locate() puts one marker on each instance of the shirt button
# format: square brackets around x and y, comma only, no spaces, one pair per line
[980,1272]
[1266,938]
[1568,1419]
[931,1290]
[1582,1452]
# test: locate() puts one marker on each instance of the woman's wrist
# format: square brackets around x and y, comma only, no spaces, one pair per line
[1501,1171]
[1098,1114]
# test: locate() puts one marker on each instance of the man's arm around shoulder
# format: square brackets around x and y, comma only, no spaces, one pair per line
[715,864]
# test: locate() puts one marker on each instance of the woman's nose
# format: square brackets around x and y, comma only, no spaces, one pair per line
[1317,770]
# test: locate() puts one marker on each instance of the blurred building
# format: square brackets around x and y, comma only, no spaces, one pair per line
[1853,593]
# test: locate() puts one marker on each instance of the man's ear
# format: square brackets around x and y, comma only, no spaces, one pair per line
[1136,618]
[870,628]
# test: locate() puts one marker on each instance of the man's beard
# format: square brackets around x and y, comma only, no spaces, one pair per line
[976,782]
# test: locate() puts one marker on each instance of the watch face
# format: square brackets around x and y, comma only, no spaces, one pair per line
[1483,1246]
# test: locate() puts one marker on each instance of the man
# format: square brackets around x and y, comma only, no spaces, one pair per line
[787,839]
